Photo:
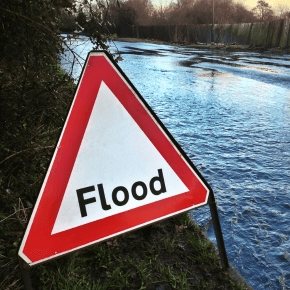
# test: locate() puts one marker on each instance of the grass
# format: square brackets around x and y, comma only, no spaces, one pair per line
[203,247]
[177,255]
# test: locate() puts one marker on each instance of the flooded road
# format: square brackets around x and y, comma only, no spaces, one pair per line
[230,112]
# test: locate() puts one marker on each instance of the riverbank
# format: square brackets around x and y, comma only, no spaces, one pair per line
[263,34]
[176,255]
[213,46]
[171,254]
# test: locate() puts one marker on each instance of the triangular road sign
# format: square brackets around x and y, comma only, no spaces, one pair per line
[115,168]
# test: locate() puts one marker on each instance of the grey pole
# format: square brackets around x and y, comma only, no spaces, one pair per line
[218,231]
[25,269]
[212,32]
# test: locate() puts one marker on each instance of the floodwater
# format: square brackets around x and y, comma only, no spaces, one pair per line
[230,112]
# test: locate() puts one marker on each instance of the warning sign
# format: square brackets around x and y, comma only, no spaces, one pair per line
[115,168]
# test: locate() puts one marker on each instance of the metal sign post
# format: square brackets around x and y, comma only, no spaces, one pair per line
[25,273]
[218,231]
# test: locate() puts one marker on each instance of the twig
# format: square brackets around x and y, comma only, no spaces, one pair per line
[29,19]
[37,148]
[22,220]
[10,215]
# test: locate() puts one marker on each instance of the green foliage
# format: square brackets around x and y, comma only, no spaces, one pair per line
[169,244]
[179,281]
[129,262]
[35,95]
[183,219]
[71,276]
[81,19]
[236,285]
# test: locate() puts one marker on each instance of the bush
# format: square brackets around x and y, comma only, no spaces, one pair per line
[35,97]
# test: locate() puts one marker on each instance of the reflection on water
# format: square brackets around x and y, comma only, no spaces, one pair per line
[231,115]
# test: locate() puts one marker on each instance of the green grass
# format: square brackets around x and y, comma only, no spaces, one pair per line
[203,247]
[171,259]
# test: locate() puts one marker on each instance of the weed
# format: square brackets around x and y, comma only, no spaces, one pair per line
[236,285]
[183,219]
[130,263]
[170,244]
[119,278]
[204,248]
[144,273]
[60,277]
[177,281]
[102,254]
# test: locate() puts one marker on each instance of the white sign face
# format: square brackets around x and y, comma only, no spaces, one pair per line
[117,168]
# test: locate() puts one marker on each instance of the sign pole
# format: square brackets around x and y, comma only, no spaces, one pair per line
[25,273]
[218,231]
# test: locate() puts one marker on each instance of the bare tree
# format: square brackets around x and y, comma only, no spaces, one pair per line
[263,10]
[243,15]
[282,11]
[180,12]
